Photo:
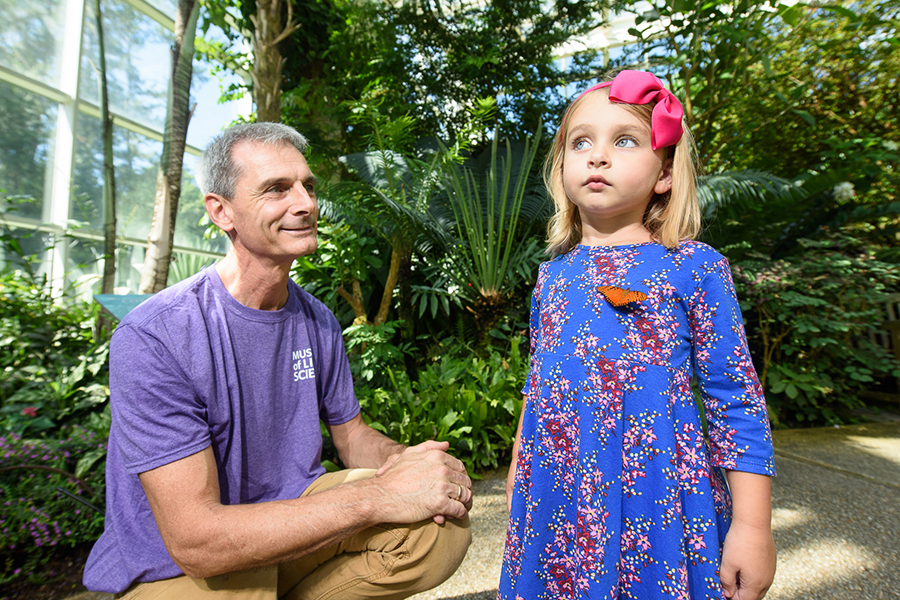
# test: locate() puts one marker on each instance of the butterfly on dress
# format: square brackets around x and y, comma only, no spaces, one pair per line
[620,296]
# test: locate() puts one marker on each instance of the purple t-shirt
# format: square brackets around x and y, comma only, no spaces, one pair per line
[191,368]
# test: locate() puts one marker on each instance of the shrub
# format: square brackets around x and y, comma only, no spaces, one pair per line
[808,321]
[40,482]
[54,416]
[471,402]
[52,368]
[371,353]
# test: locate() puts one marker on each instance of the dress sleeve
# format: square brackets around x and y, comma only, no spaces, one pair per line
[737,421]
[157,416]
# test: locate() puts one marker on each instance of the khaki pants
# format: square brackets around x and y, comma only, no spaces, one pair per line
[385,561]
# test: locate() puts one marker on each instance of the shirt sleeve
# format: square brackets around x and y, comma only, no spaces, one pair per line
[737,420]
[157,418]
[337,399]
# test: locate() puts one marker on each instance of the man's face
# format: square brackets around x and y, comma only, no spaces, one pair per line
[273,213]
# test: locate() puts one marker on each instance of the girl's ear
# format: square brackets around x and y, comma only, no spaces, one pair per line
[664,183]
[220,212]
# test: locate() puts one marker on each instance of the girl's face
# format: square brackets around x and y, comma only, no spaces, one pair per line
[610,171]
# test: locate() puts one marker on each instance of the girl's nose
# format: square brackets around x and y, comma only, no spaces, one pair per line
[598,157]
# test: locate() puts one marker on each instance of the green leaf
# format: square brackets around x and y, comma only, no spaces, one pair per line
[843,11]
[87,461]
[450,418]
[790,14]
[805,116]
[330,467]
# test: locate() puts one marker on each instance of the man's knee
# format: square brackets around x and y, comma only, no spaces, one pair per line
[438,550]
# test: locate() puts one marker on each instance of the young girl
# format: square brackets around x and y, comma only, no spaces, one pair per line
[613,490]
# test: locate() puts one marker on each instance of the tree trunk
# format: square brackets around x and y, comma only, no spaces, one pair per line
[355,300]
[109,173]
[155,272]
[397,257]
[267,60]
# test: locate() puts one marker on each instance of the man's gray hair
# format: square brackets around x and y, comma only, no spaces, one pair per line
[217,172]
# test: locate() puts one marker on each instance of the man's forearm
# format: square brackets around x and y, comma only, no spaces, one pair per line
[361,447]
[256,535]
[206,538]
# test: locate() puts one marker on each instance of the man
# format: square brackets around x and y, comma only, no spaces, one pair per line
[218,385]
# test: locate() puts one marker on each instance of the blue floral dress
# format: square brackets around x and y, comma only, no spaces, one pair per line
[617,493]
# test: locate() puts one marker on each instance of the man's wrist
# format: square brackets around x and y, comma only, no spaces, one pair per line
[372,505]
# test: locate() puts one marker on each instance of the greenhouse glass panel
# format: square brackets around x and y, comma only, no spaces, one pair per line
[137,63]
[27,131]
[31,36]
[136,160]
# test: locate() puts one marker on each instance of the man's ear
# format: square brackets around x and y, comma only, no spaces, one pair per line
[664,183]
[220,211]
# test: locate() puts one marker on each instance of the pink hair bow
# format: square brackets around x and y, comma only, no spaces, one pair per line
[641,87]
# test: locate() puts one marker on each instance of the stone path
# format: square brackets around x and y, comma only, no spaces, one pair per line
[836,520]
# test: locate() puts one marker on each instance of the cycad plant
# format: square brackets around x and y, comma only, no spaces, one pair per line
[489,198]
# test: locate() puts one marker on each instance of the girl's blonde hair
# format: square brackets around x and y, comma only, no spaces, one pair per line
[670,217]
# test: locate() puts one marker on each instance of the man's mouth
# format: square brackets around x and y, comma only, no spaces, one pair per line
[298,228]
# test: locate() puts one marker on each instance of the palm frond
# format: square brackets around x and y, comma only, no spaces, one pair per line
[768,213]
[734,190]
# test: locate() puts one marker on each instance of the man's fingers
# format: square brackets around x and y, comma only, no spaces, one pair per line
[430,445]
[462,493]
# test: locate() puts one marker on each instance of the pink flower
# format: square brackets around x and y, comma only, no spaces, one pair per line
[29,411]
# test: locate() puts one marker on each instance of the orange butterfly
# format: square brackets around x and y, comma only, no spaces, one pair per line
[619,296]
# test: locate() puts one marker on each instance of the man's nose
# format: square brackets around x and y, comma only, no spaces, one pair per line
[302,201]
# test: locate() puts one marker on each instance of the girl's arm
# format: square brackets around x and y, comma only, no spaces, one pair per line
[748,556]
[511,476]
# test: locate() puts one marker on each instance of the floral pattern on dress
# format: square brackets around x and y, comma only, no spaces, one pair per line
[617,492]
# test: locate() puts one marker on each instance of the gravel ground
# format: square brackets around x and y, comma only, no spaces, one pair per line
[836,515]
[478,576]
[836,520]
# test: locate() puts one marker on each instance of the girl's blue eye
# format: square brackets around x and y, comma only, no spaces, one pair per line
[581,145]
[626,142]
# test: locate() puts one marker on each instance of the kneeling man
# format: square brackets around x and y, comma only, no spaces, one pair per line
[218,385]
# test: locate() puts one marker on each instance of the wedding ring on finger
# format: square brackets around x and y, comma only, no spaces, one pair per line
[458,491]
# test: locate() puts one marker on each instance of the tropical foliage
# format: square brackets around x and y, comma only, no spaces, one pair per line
[812,319]
[419,114]
[473,403]
[54,416]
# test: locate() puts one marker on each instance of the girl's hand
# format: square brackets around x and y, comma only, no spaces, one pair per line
[748,562]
